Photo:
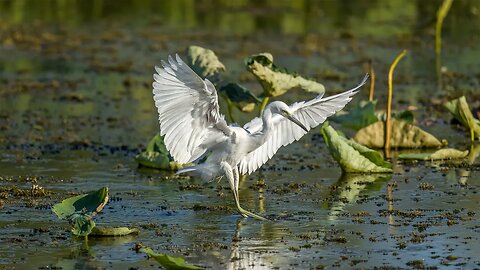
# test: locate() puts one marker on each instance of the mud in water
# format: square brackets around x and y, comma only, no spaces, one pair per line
[76,107]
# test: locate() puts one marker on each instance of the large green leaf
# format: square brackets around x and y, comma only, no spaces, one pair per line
[404,135]
[169,262]
[351,156]
[80,210]
[204,62]
[88,204]
[157,156]
[461,111]
[447,153]
[276,81]
[359,116]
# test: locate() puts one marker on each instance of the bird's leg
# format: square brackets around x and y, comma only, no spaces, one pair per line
[233,179]
[242,211]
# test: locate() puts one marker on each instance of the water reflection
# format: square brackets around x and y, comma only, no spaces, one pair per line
[348,188]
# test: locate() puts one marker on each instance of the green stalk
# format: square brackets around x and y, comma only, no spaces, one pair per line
[264,103]
[388,125]
[441,14]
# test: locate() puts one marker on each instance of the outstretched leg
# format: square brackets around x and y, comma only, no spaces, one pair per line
[233,179]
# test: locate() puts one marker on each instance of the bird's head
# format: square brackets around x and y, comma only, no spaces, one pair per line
[284,110]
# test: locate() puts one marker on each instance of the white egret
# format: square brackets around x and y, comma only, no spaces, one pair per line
[193,126]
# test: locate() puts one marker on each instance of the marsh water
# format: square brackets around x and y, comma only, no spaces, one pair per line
[76,107]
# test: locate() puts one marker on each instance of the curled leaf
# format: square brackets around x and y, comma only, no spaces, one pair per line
[353,157]
[113,231]
[204,62]
[461,111]
[243,99]
[447,153]
[276,81]
[89,204]
[169,262]
[157,156]
[404,135]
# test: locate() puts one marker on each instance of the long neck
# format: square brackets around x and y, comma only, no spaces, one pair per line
[267,121]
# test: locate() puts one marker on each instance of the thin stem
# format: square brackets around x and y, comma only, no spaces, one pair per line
[372,80]
[388,125]
[441,14]
[264,103]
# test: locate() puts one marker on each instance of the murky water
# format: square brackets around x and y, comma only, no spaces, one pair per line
[76,106]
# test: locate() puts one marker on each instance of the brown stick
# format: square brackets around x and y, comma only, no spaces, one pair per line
[372,80]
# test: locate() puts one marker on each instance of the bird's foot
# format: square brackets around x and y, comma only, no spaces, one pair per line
[246,213]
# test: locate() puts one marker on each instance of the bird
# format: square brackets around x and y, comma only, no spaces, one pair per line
[195,131]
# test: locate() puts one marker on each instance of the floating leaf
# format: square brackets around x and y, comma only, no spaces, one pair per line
[89,204]
[351,156]
[157,156]
[461,111]
[168,262]
[447,153]
[359,116]
[113,231]
[276,81]
[204,62]
[243,99]
[404,135]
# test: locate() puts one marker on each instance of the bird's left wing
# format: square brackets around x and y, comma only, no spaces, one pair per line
[188,110]
[311,114]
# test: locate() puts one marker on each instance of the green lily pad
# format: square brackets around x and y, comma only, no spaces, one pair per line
[404,135]
[157,156]
[89,204]
[353,157]
[276,81]
[359,116]
[169,262]
[461,111]
[112,231]
[447,153]
[204,62]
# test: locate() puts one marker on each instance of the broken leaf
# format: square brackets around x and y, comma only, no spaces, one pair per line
[276,81]
[359,116]
[157,156]
[447,153]
[168,262]
[204,62]
[113,231]
[461,111]
[82,225]
[404,135]
[351,156]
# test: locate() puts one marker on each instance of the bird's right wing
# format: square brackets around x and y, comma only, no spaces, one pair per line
[188,110]
[311,114]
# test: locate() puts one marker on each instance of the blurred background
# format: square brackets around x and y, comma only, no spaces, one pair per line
[81,71]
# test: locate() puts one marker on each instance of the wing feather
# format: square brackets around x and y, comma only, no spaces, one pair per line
[188,110]
[310,114]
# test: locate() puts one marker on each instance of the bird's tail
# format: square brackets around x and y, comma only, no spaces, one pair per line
[205,171]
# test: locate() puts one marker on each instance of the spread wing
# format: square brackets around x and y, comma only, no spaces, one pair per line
[310,113]
[188,110]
